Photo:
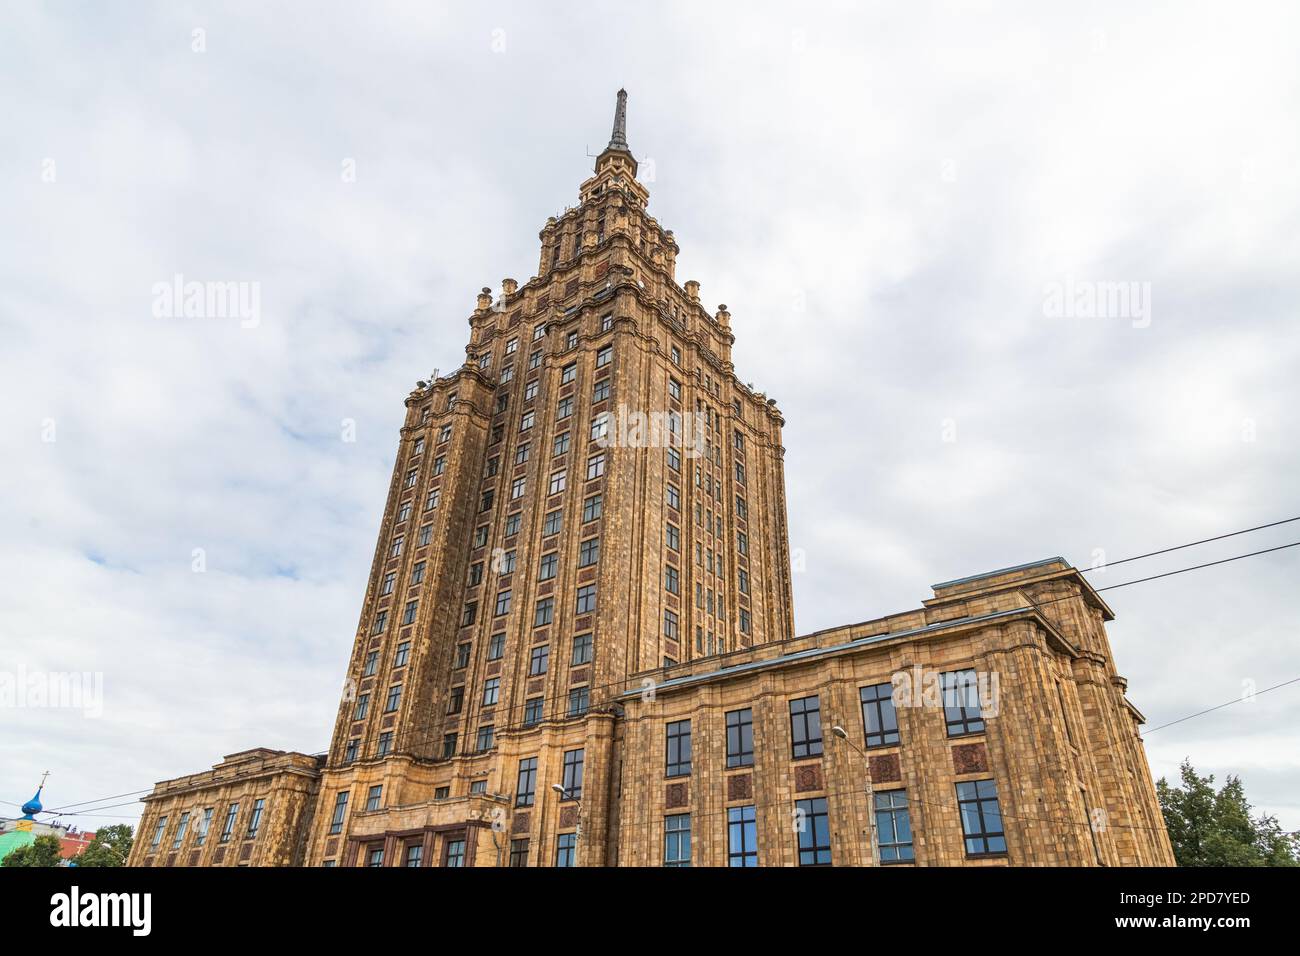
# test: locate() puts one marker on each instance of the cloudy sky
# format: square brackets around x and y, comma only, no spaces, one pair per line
[887,199]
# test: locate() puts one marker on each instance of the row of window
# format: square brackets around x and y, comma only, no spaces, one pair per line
[204,823]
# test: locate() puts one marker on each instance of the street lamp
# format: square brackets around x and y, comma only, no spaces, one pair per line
[577,829]
[843,735]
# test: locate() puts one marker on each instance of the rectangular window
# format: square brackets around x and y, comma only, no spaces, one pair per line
[572,780]
[448,749]
[806,727]
[812,822]
[530,391]
[340,810]
[228,827]
[408,613]
[591,508]
[381,619]
[600,391]
[675,388]
[363,705]
[374,798]
[595,466]
[205,822]
[604,356]
[557,483]
[491,691]
[568,373]
[462,656]
[670,625]
[961,703]
[372,664]
[544,613]
[564,408]
[740,738]
[470,614]
[517,488]
[533,711]
[550,562]
[742,836]
[677,840]
[526,420]
[581,650]
[389,579]
[507,562]
[674,538]
[521,454]
[375,857]
[455,700]
[503,603]
[350,751]
[981,818]
[674,498]
[677,760]
[599,427]
[893,827]
[553,522]
[538,660]
[455,853]
[414,854]
[561,444]
[879,719]
[672,581]
[403,652]
[485,738]
[158,832]
[586,602]
[519,852]
[565,845]
[579,700]
[526,786]
[588,552]
[394,698]
[385,743]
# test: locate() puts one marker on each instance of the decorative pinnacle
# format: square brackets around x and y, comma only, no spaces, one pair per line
[618,138]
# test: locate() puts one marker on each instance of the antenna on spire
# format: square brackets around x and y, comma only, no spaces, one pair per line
[618,138]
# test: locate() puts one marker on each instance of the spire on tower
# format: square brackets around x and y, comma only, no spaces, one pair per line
[618,138]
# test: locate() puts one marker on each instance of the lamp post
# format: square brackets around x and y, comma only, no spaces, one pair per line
[843,735]
[577,830]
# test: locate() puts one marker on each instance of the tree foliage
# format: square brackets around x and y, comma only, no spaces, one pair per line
[43,851]
[111,847]
[1209,828]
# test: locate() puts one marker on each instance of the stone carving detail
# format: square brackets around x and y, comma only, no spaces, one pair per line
[970,758]
[808,777]
[676,795]
[884,768]
[740,787]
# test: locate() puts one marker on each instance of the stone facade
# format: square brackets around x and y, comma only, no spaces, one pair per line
[583,564]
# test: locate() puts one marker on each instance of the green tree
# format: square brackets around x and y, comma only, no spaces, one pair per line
[1209,828]
[43,851]
[111,847]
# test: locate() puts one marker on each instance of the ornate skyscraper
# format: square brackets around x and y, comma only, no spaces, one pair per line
[576,645]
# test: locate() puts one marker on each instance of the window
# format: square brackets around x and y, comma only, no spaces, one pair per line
[521,453]
[672,581]
[961,703]
[478,786]
[372,664]
[743,581]
[491,691]
[565,844]
[572,780]
[893,827]
[670,625]
[600,428]
[675,389]
[526,421]
[879,719]
[485,736]
[444,433]
[228,827]
[455,700]
[604,356]
[535,359]
[742,542]
[517,488]
[512,346]
[533,711]
[340,810]
[677,761]
[205,821]
[568,373]
[448,750]
[409,482]
[561,444]
[806,727]
[677,840]
[496,646]
[742,836]
[375,856]
[462,655]
[557,483]
[981,818]
[674,498]
[414,854]
[363,705]
[579,700]
[600,391]
[591,508]
[486,503]
[454,854]
[158,832]
[745,625]
[350,751]
[588,552]
[674,538]
[503,602]
[439,465]
[544,613]
[595,466]
[385,743]
[539,331]
[408,614]
[553,522]
[606,322]
[394,698]
[813,825]
[381,619]
[586,602]
[470,614]
[519,852]
[403,652]
[547,569]
[740,738]
[374,798]
[480,536]
[404,511]
[511,529]
[581,650]
[526,788]
[675,354]
[431,501]
[564,408]
[539,659]
[426,535]
[674,459]
[740,473]
[530,390]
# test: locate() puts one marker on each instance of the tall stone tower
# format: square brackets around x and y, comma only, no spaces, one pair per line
[592,494]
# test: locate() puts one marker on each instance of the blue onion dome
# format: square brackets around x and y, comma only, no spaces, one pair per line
[33,806]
